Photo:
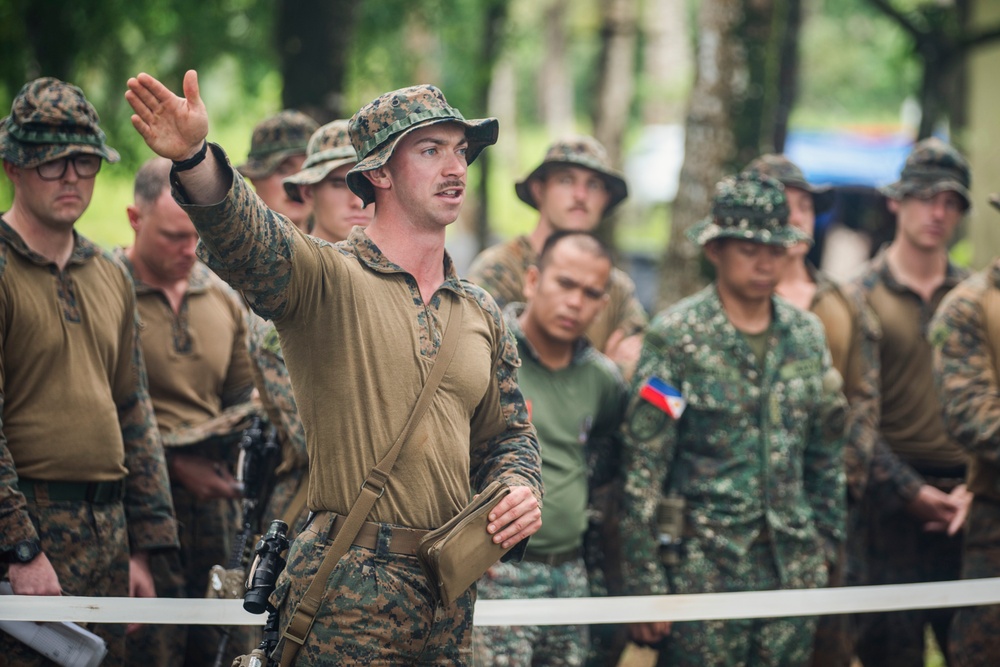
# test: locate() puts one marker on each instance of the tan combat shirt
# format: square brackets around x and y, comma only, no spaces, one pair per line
[359,343]
[913,442]
[500,271]
[197,358]
[73,394]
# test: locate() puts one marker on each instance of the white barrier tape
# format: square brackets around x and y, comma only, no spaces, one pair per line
[564,611]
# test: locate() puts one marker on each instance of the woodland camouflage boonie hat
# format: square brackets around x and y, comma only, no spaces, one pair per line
[379,125]
[932,167]
[780,168]
[275,139]
[577,151]
[329,148]
[50,119]
[750,207]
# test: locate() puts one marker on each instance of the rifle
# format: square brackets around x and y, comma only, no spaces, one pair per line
[259,454]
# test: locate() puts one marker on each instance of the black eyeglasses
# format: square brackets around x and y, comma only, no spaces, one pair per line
[86,166]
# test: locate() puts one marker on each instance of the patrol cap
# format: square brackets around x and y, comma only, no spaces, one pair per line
[50,119]
[276,138]
[751,207]
[577,151]
[379,125]
[329,148]
[782,169]
[932,167]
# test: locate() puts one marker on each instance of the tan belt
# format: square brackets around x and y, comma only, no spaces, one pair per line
[403,541]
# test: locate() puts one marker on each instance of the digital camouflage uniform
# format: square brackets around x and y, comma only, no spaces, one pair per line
[756,454]
[329,148]
[274,140]
[910,444]
[378,338]
[275,388]
[577,411]
[965,334]
[500,269]
[76,410]
[198,367]
[834,643]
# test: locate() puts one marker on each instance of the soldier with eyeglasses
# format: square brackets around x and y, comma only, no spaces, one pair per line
[84,496]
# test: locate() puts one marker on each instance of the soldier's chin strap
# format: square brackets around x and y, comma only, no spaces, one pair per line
[374,486]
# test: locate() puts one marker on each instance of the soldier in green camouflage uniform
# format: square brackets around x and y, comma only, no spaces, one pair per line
[574,187]
[277,150]
[84,496]
[965,334]
[330,155]
[810,289]
[915,486]
[756,453]
[382,298]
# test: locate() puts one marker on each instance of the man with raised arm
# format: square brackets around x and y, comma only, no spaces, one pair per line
[383,299]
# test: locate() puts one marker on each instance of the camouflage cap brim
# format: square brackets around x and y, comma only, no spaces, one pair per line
[707,230]
[614,181]
[479,133]
[995,201]
[30,149]
[313,174]
[262,167]
[925,190]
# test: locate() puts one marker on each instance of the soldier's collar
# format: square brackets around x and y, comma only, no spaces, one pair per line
[198,281]
[372,256]
[83,248]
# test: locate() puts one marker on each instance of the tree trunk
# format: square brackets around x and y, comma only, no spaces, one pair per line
[494,24]
[721,79]
[314,39]
[616,76]
[666,62]
[555,83]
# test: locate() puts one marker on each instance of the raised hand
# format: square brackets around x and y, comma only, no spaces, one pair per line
[173,127]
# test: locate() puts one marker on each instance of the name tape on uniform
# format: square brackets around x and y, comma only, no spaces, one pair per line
[563,611]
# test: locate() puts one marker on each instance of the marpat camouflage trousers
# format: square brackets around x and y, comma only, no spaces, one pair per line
[532,645]
[377,608]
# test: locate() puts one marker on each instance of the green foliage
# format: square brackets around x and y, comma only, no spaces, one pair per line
[857,65]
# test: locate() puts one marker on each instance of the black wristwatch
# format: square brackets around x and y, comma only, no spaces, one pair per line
[24,551]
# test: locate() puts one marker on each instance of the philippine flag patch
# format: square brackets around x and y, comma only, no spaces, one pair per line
[663,396]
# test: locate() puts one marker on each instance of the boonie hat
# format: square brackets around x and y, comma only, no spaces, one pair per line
[379,125]
[577,151]
[329,148]
[751,207]
[932,167]
[275,139]
[788,173]
[50,119]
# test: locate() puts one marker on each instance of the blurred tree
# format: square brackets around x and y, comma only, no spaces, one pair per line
[314,39]
[941,39]
[737,111]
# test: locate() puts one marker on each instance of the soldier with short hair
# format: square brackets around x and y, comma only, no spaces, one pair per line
[375,309]
[732,443]
[916,493]
[194,341]
[573,188]
[277,150]
[965,335]
[84,498]
[576,399]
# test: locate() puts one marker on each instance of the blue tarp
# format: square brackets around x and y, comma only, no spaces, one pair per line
[839,157]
